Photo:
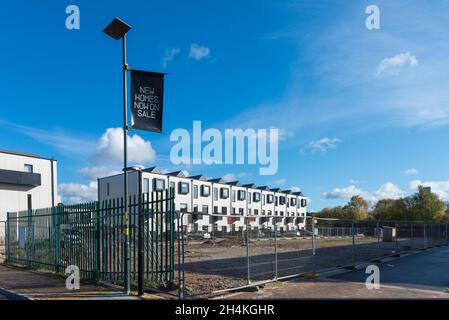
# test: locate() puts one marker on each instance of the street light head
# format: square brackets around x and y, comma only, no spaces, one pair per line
[117,29]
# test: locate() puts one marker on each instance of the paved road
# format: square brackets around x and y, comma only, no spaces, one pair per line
[426,270]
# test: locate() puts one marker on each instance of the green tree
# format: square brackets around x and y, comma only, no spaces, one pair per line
[424,206]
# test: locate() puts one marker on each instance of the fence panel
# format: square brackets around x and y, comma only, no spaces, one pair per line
[91,237]
[2,241]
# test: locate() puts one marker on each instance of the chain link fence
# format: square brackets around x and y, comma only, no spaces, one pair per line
[2,240]
[219,259]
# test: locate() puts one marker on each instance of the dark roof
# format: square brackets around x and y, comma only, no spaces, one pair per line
[25,154]
[264,188]
[299,193]
[152,170]
[234,183]
[217,180]
[287,191]
[249,185]
[199,177]
[179,173]
[276,189]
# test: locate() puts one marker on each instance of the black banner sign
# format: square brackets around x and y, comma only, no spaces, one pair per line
[147,94]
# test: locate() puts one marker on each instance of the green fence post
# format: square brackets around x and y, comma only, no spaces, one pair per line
[56,213]
[172,235]
[97,241]
[30,235]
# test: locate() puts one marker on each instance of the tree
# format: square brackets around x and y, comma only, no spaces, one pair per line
[424,206]
[357,208]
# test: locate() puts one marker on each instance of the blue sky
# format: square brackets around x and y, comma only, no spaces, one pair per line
[361,111]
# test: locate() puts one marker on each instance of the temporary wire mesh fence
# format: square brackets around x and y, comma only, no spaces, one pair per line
[2,240]
[91,237]
[231,252]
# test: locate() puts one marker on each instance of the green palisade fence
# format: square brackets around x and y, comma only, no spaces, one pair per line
[91,237]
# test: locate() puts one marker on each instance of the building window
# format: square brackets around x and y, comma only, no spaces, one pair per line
[269,212]
[263,212]
[224,210]
[249,197]
[205,191]
[281,201]
[293,201]
[145,186]
[270,198]
[263,199]
[205,228]
[303,203]
[256,212]
[215,209]
[107,188]
[183,188]
[205,209]
[28,168]
[276,201]
[195,191]
[249,212]
[215,193]
[256,197]
[195,208]
[183,207]
[233,195]
[158,184]
[241,195]
[224,193]
[233,210]
[241,211]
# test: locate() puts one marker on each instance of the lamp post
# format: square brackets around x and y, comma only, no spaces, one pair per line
[117,29]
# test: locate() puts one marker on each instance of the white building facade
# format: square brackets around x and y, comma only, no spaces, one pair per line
[27,181]
[213,204]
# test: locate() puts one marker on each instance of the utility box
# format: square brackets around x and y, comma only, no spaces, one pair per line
[389,234]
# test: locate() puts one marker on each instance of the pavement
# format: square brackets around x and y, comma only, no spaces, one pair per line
[19,283]
[418,276]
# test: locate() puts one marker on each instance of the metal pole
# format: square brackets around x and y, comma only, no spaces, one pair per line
[275,250]
[378,238]
[425,237]
[247,249]
[412,235]
[140,266]
[313,244]
[127,287]
[353,241]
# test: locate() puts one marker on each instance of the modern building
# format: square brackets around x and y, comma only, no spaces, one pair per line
[27,181]
[213,204]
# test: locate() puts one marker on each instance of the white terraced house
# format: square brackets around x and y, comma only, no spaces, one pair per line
[213,204]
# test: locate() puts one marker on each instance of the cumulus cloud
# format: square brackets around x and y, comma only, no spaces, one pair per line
[233,177]
[394,64]
[169,56]
[295,189]
[441,188]
[411,172]
[322,145]
[77,192]
[385,191]
[110,148]
[198,52]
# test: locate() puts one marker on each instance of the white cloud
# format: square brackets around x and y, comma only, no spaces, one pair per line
[110,148]
[385,191]
[322,145]
[93,173]
[441,188]
[295,189]
[169,55]
[77,192]
[411,172]
[198,52]
[394,64]
[233,177]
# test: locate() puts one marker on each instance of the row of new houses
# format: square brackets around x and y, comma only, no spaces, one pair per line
[213,204]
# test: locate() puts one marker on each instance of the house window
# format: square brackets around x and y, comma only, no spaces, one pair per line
[224,193]
[249,212]
[270,198]
[256,212]
[205,191]
[215,193]
[263,212]
[28,168]
[249,197]
[263,199]
[205,209]
[233,210]
[195,191]
[276,201]
[145,186]
[195,208]
[241,211]
[281,201]
[158,184]
[183,207]
[241,195]
[256,197]
[224,210]
[293,201]
[233,195]
[215,209]
[303,203]
[183,188]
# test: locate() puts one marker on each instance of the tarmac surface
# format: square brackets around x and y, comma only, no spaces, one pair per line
[426,270]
